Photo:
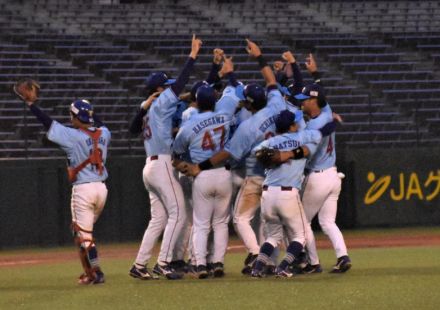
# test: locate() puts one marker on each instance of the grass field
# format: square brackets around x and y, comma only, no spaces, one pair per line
[381,278]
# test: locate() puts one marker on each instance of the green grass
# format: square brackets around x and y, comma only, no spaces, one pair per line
[392,278]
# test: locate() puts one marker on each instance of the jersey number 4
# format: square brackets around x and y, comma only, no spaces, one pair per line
[208,142]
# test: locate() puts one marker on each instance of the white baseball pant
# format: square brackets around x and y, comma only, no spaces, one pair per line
[212,191]
[320,196]
[246,205]
[167,209]
[184,244]
[282,211]
[87,203]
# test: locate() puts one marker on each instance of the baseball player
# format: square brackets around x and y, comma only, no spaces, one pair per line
[280,202]
[248,135]
[322,184]
[166,197]
[183,243]
[86,148]
[204,135]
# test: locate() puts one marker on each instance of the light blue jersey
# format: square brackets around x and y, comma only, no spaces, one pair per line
[291,172]
[254,130]
[188,113]
[323,156]
[158,125]
[78,147]
[205,134]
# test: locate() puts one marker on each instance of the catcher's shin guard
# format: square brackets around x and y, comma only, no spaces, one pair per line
[88,253]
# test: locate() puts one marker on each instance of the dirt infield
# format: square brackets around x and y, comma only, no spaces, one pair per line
[235,245]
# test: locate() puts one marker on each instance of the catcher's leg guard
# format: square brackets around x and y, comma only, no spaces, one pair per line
[88,253]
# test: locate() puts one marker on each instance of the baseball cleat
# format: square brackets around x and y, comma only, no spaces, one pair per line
[167,272]
[248,263]
[99,278]
[309,269]
[179,266]
[269,270]
[342,265]
[142,273]
[210,269]
[300,262]
[202,272]
[283,273]
[257,273]
[219,270]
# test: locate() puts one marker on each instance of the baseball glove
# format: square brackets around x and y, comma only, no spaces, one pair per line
[27,90]
[264,156]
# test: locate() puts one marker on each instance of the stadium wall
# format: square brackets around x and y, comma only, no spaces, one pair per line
[382,188]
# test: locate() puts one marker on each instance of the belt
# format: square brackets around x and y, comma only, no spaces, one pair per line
[308,171]
[154,157]
[283,188]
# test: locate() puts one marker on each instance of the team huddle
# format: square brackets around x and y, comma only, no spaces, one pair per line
[223,150]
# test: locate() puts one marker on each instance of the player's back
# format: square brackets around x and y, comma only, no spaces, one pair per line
[325,155]
[78,146]
[158,124]
[207,133]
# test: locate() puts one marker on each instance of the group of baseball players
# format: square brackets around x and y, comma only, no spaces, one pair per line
[202,147]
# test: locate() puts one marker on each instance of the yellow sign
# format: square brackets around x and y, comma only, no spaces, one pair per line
[409,187]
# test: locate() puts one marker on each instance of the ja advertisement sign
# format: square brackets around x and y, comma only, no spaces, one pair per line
[396,188]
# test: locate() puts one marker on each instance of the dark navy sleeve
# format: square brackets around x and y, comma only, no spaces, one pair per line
[136,123]
[41,116]
[213,74]
[183,77]
[298,82]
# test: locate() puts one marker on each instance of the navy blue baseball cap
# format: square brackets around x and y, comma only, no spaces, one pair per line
[255,94]
[205,96]
[195,87]
[82,109]
[287,118]
[311,91]
[158,79]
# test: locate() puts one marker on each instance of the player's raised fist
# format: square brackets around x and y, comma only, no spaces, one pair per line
[219,54]
[228,66]
[278,65]
[311,64]
[252,48]
[196,44]
[288,56]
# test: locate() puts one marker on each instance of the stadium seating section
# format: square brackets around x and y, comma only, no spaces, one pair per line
[380,60]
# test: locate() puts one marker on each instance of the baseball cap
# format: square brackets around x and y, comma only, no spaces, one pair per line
[205,96]
[311,91]
[287,118]
[82,109]
[195,87]
[157,79]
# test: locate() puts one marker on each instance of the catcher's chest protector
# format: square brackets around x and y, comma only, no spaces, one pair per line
[95,157]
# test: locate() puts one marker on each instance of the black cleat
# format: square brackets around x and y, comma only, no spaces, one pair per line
[202,272]
[142,273]
[342,265]
[248,263]
[167,272]
[219,270]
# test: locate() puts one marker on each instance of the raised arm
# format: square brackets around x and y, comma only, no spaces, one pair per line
[28,91]
[312,67]
[298,83]
[255,51]
[213,76]
[183,77]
